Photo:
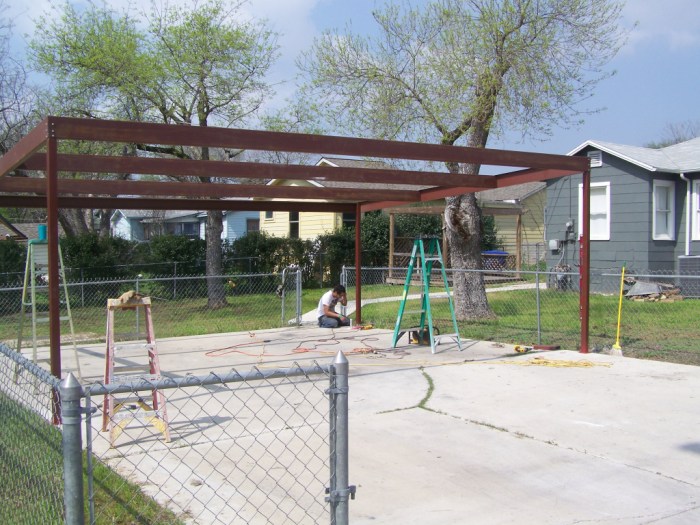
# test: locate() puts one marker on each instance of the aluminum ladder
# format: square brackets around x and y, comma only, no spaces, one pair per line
[427,250]
[35,293]
[132,362]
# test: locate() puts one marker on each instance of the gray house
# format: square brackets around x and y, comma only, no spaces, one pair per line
[141,225]
[645,208]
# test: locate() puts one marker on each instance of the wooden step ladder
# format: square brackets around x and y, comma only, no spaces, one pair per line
[427,251]
[120,411]
[35,293]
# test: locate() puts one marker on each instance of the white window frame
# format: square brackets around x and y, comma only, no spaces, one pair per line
[600,234]
[695,227]
[670,233]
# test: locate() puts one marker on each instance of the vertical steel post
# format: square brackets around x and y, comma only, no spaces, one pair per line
[537,293]
[71,391]
[52,235]
[585,260]
[358,264]
[339,492]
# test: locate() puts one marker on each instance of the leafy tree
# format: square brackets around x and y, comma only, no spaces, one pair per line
[375,239]
[455,71]
[194,66]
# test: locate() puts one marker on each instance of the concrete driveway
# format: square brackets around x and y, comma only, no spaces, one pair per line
[487,436]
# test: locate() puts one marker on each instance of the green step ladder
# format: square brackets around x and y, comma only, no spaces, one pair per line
[35,295]
[427,249]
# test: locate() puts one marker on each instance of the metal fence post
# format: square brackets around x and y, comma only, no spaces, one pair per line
[339,492]
[298,283]
[71,392]
[537,294]
[283,293]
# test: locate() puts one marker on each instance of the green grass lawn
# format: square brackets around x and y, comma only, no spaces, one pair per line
[31,470]
[663,331]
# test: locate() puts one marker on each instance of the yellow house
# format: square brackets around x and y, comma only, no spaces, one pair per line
[518,212]
[309,225]
[519,216]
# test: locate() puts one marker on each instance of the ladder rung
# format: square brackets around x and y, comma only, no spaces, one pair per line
[133,368]
[141,414]
[121,379]
[134,346]
[414,311]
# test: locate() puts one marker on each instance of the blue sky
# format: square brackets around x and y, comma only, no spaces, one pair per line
[657,81]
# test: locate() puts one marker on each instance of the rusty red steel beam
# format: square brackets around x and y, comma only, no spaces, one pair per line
[25,148]
[212,168]
[135,203]
[150,133]
[194,189]
[532,175]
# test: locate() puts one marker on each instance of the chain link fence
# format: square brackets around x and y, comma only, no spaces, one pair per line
[31,464]
[657,317]
[531,307]
[264,446]
[251,302]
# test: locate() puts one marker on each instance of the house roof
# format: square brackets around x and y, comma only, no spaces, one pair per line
[678,158]
[10,231]
[511,193]
[147,214]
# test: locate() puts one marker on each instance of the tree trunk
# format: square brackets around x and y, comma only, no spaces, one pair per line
[216,292]
[463,222]
[104,224]
[73,221]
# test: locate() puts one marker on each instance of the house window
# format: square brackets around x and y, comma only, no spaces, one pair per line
[252,225]
[696,210]
[268,215]
[348,220]
[600,211]
[596,158]
[293,224]
[664,211]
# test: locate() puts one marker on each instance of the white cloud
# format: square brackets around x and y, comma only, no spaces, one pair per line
[672,23]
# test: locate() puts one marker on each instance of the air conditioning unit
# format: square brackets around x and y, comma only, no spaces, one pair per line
[689,275]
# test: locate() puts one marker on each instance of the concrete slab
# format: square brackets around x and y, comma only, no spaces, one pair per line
[486,435]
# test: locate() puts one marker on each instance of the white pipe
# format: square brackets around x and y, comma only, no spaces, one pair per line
[688,213]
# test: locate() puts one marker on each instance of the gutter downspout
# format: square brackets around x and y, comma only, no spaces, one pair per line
[688,212]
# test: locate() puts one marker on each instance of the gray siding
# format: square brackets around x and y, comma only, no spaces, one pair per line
[631,240]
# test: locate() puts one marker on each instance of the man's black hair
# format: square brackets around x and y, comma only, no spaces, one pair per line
[339,289]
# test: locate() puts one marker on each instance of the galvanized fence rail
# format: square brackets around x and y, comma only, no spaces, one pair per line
[264,446]
[531,307]
[657,318]
[252,302]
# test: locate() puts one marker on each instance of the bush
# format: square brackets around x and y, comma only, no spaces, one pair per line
[189,254]
[12,262]
[90,256]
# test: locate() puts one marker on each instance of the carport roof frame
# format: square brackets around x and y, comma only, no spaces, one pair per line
[38,151]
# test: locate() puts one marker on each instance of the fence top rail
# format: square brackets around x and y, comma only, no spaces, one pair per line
[213,378]
[34,369]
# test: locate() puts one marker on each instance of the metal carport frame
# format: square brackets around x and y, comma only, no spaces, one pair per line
[39,151]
